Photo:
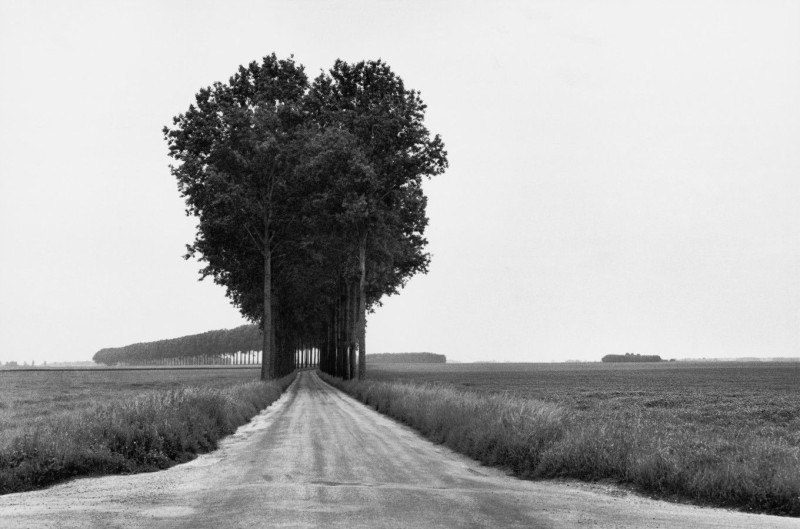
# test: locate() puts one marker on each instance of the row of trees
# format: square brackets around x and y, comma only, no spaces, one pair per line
[630,357]
[308,196]
[239,346]
[406,358]
[235,346]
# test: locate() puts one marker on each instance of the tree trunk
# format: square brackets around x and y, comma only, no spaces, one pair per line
[362,307]
[274,357]
[329,355]
[341,340]
[267,353]
[353,328]
[347,327]
[335,360]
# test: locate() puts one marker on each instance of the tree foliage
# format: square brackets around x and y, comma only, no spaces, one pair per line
[211,343]
[308,198]
[630,357]
[406,358]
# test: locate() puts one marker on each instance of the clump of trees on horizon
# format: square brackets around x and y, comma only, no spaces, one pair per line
[238,346]
[309,201]
[631,357]
[226,346]
[406,358]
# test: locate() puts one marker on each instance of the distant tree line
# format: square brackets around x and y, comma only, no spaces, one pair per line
[227,346]
[14,363]
[406,358]
[308,199]
[630,357]
[239,346]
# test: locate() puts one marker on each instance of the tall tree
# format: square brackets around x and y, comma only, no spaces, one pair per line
[336,178]
[234,164]
[386,120]
[309,202]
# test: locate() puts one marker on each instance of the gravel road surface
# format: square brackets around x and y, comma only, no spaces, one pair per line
[318,458]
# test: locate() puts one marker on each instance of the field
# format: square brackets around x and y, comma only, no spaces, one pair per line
[59,424]
[729,397]
[27,397]
[715,433]
[725,434]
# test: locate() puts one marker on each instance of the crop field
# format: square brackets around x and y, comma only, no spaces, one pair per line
[28,397]
[59,424]
[759,397]
[716,433]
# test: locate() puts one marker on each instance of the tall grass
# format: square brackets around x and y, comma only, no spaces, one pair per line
[155,430]
[536,439]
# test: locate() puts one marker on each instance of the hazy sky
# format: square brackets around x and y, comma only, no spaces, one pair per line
[625,176]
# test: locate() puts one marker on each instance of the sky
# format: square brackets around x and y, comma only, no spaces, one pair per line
[624,175]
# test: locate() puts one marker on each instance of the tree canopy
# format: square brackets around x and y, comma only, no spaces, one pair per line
[308,198]
[406,358]
[630,357]
[211,343]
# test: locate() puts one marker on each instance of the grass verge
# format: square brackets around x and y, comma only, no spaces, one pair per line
[153,431]
[536,439]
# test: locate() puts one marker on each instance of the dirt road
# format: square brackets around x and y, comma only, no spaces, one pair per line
[317,458]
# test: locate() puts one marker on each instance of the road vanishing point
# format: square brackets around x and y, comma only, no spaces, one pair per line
[319,458]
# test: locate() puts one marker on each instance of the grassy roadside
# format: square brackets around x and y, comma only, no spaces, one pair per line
[537,439]
[154,430]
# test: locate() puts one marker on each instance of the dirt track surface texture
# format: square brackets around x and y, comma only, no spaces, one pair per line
[318,458]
